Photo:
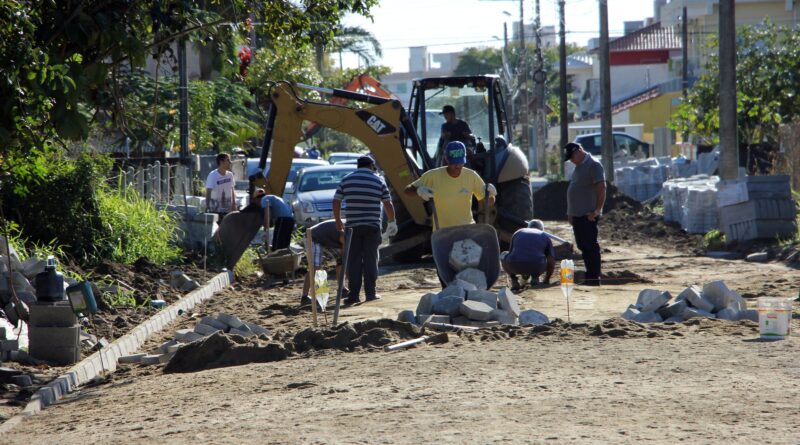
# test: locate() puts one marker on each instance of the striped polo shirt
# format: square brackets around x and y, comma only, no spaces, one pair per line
[362,192]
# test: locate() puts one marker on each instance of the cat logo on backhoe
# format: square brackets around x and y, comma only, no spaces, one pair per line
[378,125]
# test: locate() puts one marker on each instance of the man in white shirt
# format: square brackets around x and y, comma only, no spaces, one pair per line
[220,197]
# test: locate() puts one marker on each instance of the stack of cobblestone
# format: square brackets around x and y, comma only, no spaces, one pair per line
[208,325]
[714,300]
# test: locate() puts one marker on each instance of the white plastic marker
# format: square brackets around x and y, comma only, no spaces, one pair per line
[567,280]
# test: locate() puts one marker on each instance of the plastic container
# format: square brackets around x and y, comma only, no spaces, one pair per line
[81,298]
[774,318]
[50,284]
[567,277]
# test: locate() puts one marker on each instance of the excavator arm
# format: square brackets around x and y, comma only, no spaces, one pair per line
[382,127]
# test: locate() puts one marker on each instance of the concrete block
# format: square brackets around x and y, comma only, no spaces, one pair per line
[204,329]
[749,314]
[166,345]
[26,297]
[736,301]
[465,254]
[729,313]
[532,317]
[10,310]
[648,317]
[9,345]
[151,359]
[646,296]
[455,289]
[474,276]
[461,321]
[174,348]
[692,295]
[657,302]
[631,312]
[466,285]
[504,317]
[23,380]
[692,312]
[58,314]
[476,310]
[133,358]
[187,336]
[177,278]
[407,316]
[257,329]
[230,320]
[508,301]
[214,323]
[58,355]
[483,296]
[242,333]
[759,257]
[674,319]
[189,286]
[449,306]
[672,310]
[42,338]
[716,293]
[33,266]
[164,358]
[425,305]
[423,319]
[21,283]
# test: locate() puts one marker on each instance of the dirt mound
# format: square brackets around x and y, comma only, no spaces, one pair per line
[550,201]
[642,226]
[221,350]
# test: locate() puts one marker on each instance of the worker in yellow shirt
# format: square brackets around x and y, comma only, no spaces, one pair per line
[452,188]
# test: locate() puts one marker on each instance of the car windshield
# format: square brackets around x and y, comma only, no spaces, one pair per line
[321,180]
[342,157]
[470,105]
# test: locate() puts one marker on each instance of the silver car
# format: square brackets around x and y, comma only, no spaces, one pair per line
[313,192]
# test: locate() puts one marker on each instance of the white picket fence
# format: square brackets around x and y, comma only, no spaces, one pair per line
[158,182]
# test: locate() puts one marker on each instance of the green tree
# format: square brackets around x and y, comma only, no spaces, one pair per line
[768,60]
[476,61]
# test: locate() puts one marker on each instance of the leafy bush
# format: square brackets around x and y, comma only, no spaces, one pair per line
[714,240]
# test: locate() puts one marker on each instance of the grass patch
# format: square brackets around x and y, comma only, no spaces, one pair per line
[248,264]
[714,240]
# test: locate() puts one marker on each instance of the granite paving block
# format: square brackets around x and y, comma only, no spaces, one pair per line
[483,296]
[508,301]
[474,276]
[476,310]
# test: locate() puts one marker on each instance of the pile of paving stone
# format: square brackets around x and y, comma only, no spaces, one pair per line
[714,300]
[207,326]
[466,301]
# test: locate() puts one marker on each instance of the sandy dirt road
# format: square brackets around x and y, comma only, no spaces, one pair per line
[592,382]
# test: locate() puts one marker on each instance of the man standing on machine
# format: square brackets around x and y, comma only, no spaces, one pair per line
[453,129]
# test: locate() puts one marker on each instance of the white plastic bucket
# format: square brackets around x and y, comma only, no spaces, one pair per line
[774,318]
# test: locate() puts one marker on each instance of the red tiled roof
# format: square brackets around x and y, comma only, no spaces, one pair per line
[635,100]
[648,38]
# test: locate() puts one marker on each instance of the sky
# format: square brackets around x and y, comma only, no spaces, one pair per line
[453,25]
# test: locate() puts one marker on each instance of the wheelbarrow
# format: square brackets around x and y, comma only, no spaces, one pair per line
[280,264]
[484,235]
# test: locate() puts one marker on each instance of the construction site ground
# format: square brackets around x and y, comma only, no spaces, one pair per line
[598,379]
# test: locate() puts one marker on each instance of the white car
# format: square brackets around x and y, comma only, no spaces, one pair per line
[314,190]
[340,156]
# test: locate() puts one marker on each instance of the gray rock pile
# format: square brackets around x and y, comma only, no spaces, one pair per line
[222,323]
[714,300]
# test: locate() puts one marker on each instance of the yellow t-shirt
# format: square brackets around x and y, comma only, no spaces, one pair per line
[453,196]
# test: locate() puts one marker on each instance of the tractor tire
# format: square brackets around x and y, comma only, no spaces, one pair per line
[408,229]
[514,204]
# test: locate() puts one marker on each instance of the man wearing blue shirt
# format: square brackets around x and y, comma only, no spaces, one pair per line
[278,214]
[530,253]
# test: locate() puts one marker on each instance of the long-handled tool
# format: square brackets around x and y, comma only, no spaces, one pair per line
[434,339]
[435,216]
[345,255]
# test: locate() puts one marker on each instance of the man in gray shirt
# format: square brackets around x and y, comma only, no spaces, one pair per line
[586,195]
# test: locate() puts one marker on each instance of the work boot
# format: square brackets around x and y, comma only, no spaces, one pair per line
[374,297]
[515,286]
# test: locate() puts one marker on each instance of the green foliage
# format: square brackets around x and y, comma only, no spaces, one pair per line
[768,60]
[135,229]
[248,264]
[282,61]
[714,240]
[476,61]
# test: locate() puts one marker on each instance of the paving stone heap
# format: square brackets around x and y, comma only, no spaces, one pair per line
[714,300]
[207,326]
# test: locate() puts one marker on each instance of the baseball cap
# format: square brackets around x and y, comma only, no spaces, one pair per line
[365,161]
[456,152]
[448,109]
[571,148]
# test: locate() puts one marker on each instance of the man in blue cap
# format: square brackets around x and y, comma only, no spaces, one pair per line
[452,188]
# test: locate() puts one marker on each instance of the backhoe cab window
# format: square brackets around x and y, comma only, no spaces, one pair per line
[471,105]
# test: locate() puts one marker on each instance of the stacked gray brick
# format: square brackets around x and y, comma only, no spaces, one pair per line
[715,300]
[757,207]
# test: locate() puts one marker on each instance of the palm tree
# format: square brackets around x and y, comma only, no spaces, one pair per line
[354,39]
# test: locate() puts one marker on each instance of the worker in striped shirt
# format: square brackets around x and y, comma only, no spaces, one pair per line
[363,192]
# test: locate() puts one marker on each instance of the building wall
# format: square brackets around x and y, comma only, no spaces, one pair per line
[628,80]
[653,113]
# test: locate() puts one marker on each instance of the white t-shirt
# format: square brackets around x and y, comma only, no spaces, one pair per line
[221,190]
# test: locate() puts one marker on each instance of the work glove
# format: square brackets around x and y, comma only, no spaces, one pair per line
[425,193]
[391,230]
[492,190]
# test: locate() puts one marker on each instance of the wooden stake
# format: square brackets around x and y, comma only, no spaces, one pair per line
[311,271]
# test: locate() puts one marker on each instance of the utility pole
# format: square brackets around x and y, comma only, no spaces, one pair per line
[729,147]
[685,55]
[523,73]
[183,96]
[605,95]
[562,82]
[538,92]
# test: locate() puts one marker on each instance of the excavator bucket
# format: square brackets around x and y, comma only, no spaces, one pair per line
[235,234]
[484,235]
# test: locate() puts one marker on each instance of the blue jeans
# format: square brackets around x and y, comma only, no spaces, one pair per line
[585,232]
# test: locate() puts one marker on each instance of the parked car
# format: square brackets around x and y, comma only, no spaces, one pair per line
[313,192]
[339,156]
[624,144]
